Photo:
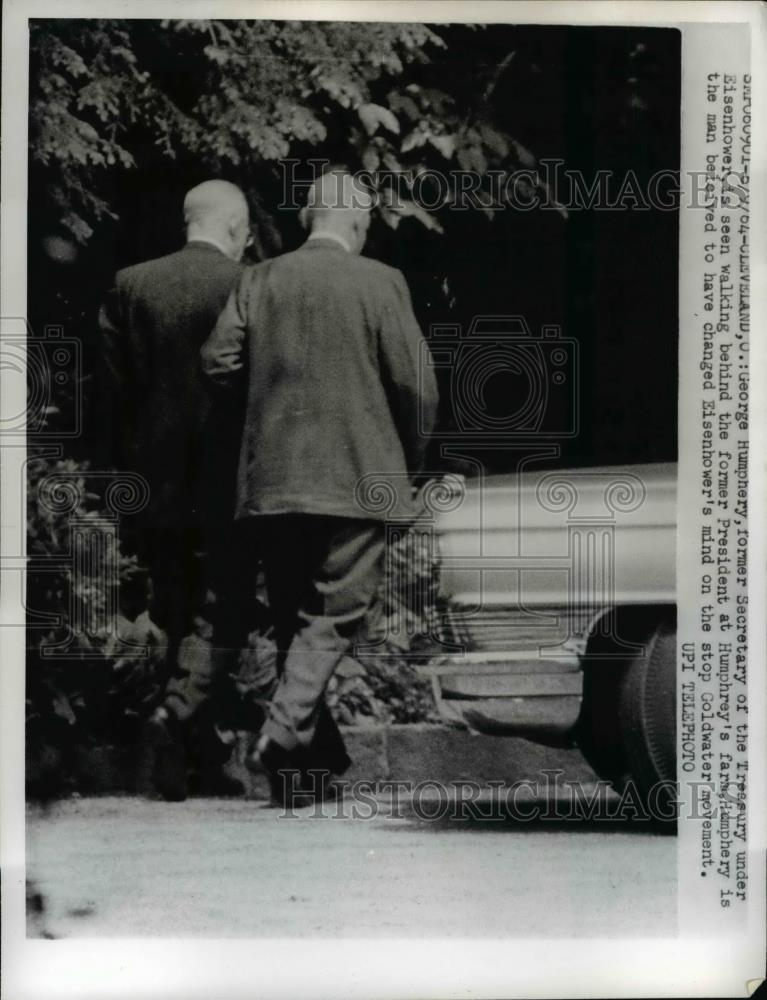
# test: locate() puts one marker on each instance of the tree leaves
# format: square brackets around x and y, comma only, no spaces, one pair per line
[472,158]
[403,104]
[239,96]
[398,207]
[495,141]
[415,139]
[524,156]
[445,144]
[254,91]
[373,115]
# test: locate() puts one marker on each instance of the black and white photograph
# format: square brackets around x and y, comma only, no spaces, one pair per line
[383,470]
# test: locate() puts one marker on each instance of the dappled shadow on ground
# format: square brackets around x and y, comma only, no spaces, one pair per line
[499,811]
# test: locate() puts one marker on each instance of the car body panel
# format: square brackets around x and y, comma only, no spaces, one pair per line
[530,564]
[533,538]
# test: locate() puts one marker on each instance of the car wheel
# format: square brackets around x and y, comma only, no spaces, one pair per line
[647,719]
[598,732]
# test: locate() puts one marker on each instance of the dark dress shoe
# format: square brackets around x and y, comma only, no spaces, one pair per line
[216,783]
[319,785]
[282,771]
[327,750]
[163,740]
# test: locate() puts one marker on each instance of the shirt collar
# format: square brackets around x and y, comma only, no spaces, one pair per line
[330,236]
[210,241]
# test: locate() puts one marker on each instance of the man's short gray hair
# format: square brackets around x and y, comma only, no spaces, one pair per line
[211,200]
[335,190]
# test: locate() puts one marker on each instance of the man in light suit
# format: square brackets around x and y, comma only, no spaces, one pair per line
[329,349]
[153,323]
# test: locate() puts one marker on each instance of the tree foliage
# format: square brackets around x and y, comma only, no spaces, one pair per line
[237,97]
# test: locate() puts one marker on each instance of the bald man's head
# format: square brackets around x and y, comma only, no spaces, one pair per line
[218,211]
[340,204]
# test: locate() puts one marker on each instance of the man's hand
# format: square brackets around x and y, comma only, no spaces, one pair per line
[221,360]
[221,354]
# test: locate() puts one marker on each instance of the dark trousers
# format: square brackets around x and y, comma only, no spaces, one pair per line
[202,682]
[186,566]
[173,559]
[322,573]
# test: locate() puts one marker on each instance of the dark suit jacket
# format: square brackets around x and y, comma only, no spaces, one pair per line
[339,394]
[153,322]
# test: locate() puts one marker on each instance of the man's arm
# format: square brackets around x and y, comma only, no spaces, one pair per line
[408,374]
[222,353]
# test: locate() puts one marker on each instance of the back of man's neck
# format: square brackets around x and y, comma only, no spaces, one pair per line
[326,234]
[193,237]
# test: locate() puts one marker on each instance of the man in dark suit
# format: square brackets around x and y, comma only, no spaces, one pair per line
[153,324]
[338,407]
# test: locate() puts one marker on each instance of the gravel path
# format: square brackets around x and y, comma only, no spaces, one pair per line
[229,868]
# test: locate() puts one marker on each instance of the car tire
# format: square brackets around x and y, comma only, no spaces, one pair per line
[598,733]
[647,720]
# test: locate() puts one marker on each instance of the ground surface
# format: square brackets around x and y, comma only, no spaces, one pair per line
[129,867]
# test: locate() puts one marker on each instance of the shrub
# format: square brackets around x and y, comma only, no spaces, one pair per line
[95,667]
[91,671]
[383,684]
